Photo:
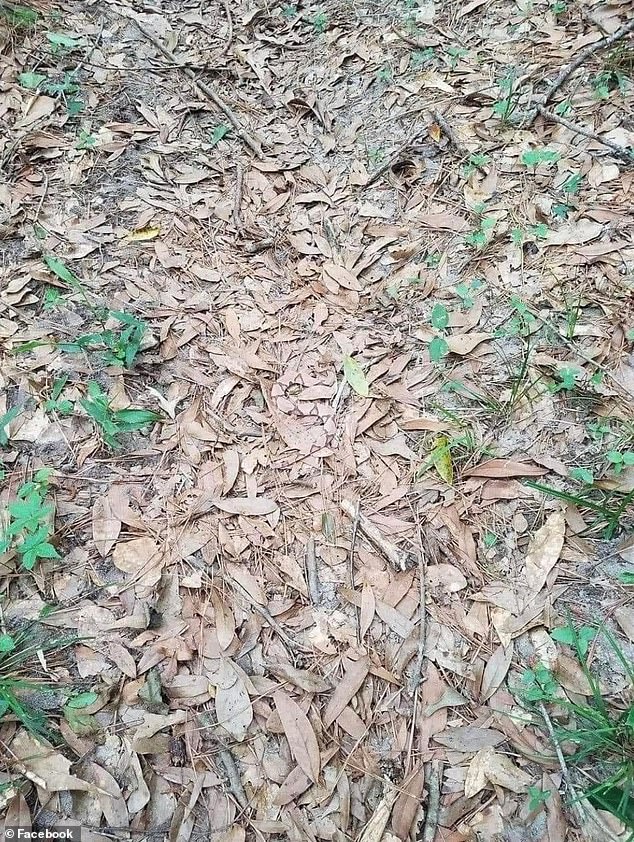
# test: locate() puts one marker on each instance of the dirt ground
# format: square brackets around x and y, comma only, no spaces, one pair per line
[379,295]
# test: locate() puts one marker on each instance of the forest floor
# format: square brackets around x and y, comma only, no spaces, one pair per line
[317,444]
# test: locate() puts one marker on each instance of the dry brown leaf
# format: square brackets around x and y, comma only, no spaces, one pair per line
[465,343]
[543,552]
[304,679]
[300,735]
[408,804]
[504,468]
[106,526]
[143,560]
[234,711]
[469,738]
[375,828]
[368,607]
[352,680]
[488,767]
[245,505]
[44,766]
[495,671]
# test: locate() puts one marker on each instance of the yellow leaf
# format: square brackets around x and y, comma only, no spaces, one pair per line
[441,458]
[435,132]
[356,378]
[141,235]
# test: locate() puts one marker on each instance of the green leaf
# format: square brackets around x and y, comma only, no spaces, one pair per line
[31,80]
[355,377]
[540,230]
[7,643]
[441,459]
[5,420]
[82,700]
[626,578]
[58,39]
[533,157]
[218,133]
[438,349]
[560,210]
[583,475]
[439,317]
[60,269]
[572,184]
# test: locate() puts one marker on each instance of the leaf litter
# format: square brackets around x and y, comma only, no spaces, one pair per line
[368,308]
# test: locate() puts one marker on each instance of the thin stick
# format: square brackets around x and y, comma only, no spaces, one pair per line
[619,151]
[373,535]
[417,675]
[413,42]
[225,49]
[444,125]
[252,141]
[312,574]
[263,612]
[235,783]
[584,54]
[237,206]
[576,805]
[433,801]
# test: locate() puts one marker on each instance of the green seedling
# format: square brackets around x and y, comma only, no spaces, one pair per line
[418,58]
[66,89]
[376,155]
[85,140]
[563,108]
[385,75]
[520,322]
[218,133]
[483,234]
[475,162]
[534,157]
[558,8]
[607,81]
[5,420]
[289,12]
[57,404]
[619,460]
[20,17]
[505,107]
[30,522]
[52,298]
[74,711]
[567,380]
[583,475]
[601,731]
[438,347]
[465,292]
[432,259]
[537,797]
[118,347]
[453,56]
[114,422]
[320,22]
[560,210]
[61,43]
[489,539]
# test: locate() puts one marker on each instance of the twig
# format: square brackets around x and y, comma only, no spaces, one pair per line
[373,535]
[569,69]
[413,42]
[433,801]
[252,141]
[229,41]
[312,574]
[417,675]
[237,206]
[444,125]
[263,612]
[235,783]
[619,151]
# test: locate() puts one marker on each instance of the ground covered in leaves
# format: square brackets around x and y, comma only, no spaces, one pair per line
[316,418]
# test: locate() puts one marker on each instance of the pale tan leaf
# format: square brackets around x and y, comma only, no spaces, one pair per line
[504,468]
[44,765]
[375,828]
[352,680]
[142,560]
[408,804]
[233,709]
[300,734]
[106,526]
[544,550]
[368,607]
[495,671]
[17,814]
[224,620]
[447,576]
[304,679]
[465,343]
[245,505]
[488,767]
[469,738]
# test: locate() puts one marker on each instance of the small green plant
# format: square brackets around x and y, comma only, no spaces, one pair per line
[600,729]
[376,155]
[384,74]
[114,422]
[583,475]
[505,107]
[438,347]
[56,403]
[62,43]
[475,162]
[20,17]
[118,347]
[465,292]
[30,522]
[534,157]
[5,420]
[607,81]
[221,130]
[558,8]
[563,108]
[520,322]
[489,539]
[320,22]
[483,233]
[67,89]
[453,56]
[52,298]
[537,797]
[418,58]
[432,259]
[620,459]
[567,380]
[85,140]
[289,12]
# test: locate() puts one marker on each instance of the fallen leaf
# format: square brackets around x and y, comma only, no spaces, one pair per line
[543,551]
[469,738]
[504,468]
[495,671]
[106,526]
[244,505]
[488,767]
[355,377]
[464,343]
[44,766]
[299,733]
[233,705]
[142,235]
[352,680]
